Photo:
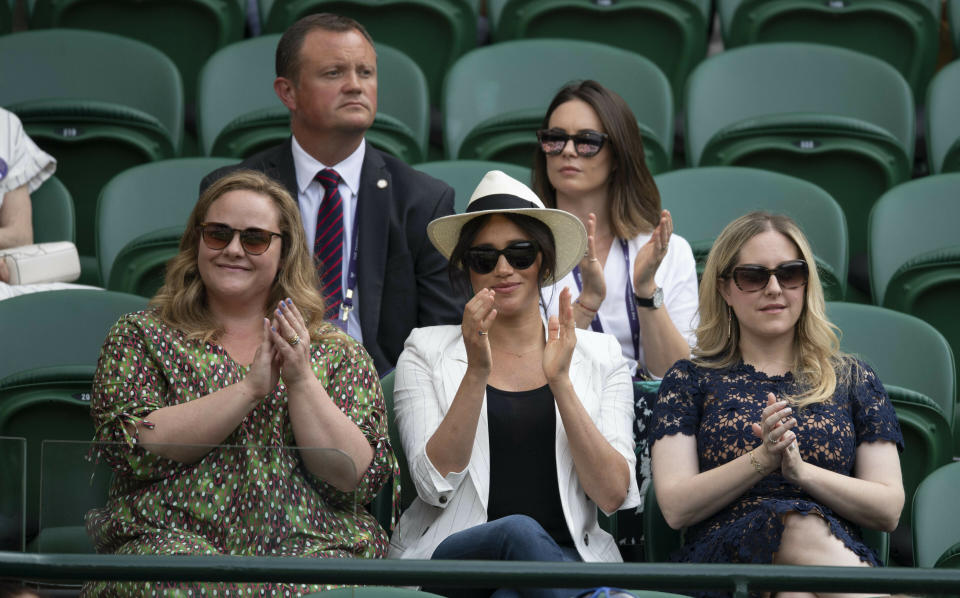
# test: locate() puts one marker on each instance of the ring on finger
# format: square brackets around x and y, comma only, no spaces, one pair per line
[771,439]
[294,340]
[482,332]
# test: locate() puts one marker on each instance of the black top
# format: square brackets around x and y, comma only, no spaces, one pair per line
[523,463]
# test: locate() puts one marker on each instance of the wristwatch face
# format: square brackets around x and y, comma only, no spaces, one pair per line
[657,298]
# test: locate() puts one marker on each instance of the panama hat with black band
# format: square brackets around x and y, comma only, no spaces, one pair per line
[498,193]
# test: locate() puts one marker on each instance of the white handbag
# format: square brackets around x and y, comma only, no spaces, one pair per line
[42,262]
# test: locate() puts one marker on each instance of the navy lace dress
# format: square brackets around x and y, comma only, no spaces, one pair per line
[718,406]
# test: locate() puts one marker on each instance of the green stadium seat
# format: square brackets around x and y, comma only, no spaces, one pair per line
[953,15]
[99,103]
[53,214]
[465,175]
[903,33]
[671,33]
[936,527]
[140,218]
[795,108]
[6,16]
[943,119]
[45,390]
[13,475]
[703,201]
[187,31]
[915,257]
[434,33]
[238,113]
[495,97]
[373,592]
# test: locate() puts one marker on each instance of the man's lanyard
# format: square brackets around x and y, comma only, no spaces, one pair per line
[346,305]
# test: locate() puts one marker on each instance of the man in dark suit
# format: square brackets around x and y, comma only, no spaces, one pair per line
[395,280]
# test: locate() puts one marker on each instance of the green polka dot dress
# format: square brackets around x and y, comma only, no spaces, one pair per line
[253,496]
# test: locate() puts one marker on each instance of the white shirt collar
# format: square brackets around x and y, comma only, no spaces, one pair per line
[349,169]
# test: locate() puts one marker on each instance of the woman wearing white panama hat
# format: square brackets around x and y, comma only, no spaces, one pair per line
[515,430]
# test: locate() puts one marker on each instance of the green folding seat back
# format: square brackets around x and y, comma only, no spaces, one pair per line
[495,97]
[703,201]
[238,113]
[936,527]
[373,592]
[434,33]
[141,217]
[902,33]
[915,256]
[188,31]
[6,16]
[408,491]
[671,33]
[806,110]
[943,119]
[904,350]
[53,214]
[60,328]
[465,175]
[99,103]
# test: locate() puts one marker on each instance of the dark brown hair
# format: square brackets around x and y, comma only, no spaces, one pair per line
[538,231]
[634,199]
[288,49]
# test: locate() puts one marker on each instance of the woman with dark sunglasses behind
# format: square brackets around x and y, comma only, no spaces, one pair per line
[515,430]
[771,446]
[638,281]
[217,408]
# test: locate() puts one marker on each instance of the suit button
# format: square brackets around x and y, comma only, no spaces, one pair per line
[443,500]
[586,539]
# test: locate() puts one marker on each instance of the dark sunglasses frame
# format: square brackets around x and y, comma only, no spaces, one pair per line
[783,272]
[520,255]
[248,236]
[591,138]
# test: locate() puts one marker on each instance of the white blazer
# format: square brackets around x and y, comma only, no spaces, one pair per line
[429,372]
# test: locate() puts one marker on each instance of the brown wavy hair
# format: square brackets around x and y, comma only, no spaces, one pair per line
[634,198]
[182,300]
[818,365]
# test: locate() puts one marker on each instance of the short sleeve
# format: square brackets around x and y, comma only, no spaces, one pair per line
[353,384]
[128,386]
[677,410]
[874,417]
[23,163]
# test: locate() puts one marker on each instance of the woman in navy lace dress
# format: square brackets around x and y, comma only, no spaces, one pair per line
[771,446]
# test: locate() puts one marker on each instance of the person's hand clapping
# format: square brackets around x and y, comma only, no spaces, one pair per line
[591,270]
[561,340]
[651,255]
[776,434]
[478,315]
[264,372]
[291,344]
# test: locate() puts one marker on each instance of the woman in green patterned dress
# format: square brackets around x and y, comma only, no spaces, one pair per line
[213,406]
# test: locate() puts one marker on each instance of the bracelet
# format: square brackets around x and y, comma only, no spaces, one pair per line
[756,464]
[589,309]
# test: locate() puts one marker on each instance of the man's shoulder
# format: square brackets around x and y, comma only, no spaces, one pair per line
[404,175]
[263,161]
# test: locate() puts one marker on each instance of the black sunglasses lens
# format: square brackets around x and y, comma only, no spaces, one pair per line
[791,276]
[521,255]
[751,278]
[255,241]
[482,260]
[552,143]
[588,144]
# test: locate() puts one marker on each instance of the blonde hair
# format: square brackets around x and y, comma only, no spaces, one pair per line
[818,364]
[182,300]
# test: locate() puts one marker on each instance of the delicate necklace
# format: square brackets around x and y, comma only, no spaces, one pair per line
[518,355]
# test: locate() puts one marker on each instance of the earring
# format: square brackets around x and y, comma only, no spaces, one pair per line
[729,322]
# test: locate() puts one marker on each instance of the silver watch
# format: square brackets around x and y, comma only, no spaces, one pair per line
[653,302]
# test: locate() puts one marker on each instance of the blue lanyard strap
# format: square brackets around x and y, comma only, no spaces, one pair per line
[628,300]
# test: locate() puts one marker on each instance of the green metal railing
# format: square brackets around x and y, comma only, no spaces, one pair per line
[738,579]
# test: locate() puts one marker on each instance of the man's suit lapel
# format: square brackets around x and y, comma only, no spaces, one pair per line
[374,205]
[279,166]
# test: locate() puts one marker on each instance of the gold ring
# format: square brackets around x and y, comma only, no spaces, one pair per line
[594,259]
[482,332]
[294,340]
[770,439]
